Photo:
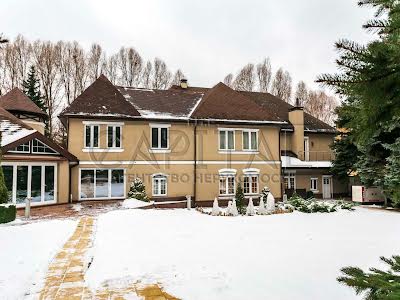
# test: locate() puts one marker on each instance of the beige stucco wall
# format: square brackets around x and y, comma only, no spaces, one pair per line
[63,181]
[39,126]
[320,146]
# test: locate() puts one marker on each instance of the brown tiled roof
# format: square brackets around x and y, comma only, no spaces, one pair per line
[16,100]
[6,116]
[161,103]
[281,108]
[101,98]
[223,103]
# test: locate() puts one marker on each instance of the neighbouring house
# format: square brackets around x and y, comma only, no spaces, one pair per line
[34,167]
[194,141]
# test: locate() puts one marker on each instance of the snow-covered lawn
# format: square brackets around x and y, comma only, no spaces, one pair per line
[25,253]
[196,256]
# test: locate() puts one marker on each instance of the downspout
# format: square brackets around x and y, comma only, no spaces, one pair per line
[195,166]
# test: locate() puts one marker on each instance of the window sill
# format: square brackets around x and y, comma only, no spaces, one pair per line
[102,150]
[159,150]
[237,152]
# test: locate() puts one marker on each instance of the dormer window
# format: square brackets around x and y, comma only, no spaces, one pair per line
[92,136]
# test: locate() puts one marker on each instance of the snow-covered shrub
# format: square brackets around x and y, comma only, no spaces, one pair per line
[138,190]
[231,210]
[311,205]
[250,211]
[310,195]
[215,209]
[346,205]
[261,207]
[270,203]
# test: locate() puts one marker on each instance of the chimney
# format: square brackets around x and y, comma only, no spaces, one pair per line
[296,118]
[184,84]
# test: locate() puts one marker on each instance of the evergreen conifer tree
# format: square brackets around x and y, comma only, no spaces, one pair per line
[370,110]
[32,89]
[240,199]
[376,284]
[138,190]
[3,188]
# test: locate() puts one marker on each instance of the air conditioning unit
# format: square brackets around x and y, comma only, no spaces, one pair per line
[361,194]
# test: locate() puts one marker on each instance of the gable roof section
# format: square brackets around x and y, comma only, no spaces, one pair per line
[16,100]
[223,103]
[282,108]
[101,98]
[12,128]
[37,135]
[161,104]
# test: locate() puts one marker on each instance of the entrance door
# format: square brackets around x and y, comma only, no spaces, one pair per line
[326,187]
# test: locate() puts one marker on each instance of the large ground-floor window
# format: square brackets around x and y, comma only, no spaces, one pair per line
[37,181]
[102,183]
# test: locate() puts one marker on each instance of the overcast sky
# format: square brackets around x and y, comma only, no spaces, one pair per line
[207,39]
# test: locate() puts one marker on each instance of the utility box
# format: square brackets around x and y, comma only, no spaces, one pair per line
[361,194]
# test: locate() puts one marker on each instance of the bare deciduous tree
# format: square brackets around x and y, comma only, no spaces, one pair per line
[282,85]
[45,57]
[130,65]
[111,68]
[176,80]
[65,65]
[245,79]
[321,106]
[301,93]
[228,80]
[146,75]
[264,75]
[95,62]
[80,73]
[161,75]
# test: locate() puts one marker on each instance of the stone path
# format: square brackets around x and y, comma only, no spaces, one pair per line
[66,274]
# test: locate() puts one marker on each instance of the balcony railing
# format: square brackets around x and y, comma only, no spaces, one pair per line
[316,155]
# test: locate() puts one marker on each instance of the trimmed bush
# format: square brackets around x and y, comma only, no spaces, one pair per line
[310,194]
[7,213]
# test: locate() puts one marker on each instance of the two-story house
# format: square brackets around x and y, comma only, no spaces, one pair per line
[201,142]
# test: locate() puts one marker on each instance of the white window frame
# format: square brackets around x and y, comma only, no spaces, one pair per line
[226,130]
[91,142]
[159,127]
[306,148]
[18,151]
[288,176]
[249,132]
[157,179]
[94,183]
[227,173]
[114,136]
[314,179]
[29,179]
[42,153]
[251,173]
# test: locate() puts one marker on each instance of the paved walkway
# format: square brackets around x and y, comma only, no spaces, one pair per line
[66,274]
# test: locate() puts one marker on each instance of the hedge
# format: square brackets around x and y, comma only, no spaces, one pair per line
[7,213]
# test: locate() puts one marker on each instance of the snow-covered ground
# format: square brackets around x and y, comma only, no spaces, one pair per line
[26,251]
[197,256]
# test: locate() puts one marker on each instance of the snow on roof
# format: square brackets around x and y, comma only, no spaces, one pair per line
[293,162]
[11,132]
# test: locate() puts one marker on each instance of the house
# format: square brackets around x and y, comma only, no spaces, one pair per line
[193,141]
[34,167]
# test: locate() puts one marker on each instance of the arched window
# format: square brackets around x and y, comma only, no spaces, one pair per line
[160,185]
[227,182]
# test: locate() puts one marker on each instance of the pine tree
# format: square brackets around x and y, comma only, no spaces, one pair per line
[392,176]
[32,89]
[138,190]
[240,199]
[370,111]
[376,284]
